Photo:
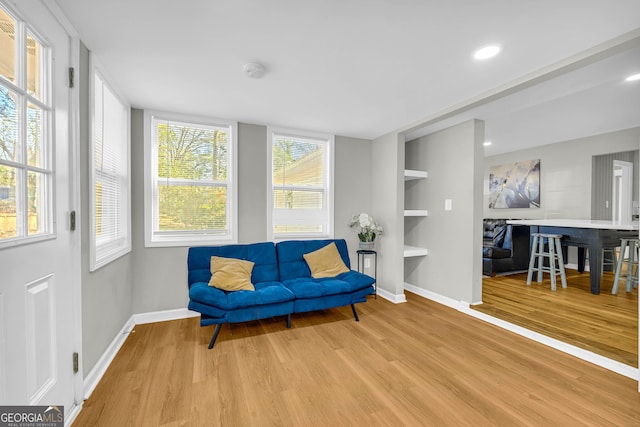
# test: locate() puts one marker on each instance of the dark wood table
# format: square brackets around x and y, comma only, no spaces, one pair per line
[586,234]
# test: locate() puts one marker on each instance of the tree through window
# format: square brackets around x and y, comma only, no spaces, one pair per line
[192,180]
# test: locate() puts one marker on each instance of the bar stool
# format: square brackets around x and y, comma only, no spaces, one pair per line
[631,260]
[554,255]
[612,260]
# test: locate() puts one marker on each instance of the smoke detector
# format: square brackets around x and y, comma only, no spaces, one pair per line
[254,70]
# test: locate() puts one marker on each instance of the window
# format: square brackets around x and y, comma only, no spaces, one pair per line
[301,185]
[190,192]
[26,116]
[110,176]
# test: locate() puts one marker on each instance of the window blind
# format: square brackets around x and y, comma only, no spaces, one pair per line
[192,181]
[299,186]
[110,175]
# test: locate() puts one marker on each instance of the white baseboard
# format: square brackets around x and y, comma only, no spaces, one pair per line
[94,377]
[163,316]
[396,299]
[588,356]
[449,302]
[96,373]
[71,414]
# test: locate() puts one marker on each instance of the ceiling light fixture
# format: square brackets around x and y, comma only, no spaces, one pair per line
[254,70]
[486,52]
[487,143]
[633,78]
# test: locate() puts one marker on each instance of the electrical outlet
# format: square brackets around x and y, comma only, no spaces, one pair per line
[367,263]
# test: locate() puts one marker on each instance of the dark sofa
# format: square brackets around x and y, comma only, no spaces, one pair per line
[505,247]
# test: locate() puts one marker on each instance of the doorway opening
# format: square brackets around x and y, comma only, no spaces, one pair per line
[622,191]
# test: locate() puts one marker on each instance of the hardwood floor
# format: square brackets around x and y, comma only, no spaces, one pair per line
[604,324]
[417,363]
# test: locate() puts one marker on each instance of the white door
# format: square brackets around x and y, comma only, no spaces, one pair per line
[38,271]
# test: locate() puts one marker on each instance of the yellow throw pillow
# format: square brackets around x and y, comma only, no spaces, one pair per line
[231,274]
[325,262]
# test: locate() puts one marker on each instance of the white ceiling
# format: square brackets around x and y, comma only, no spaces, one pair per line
[590,100]
[359,68]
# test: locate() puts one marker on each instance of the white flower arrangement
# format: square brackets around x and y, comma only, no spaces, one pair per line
[365,226]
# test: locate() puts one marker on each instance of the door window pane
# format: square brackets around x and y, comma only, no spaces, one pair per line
[34,136]
[7,46]
[34,67]
[36,185]
[8,125]
[8,207]
[26,182]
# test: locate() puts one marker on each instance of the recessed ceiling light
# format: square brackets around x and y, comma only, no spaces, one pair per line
[487,52]
[487,143]
[632,78]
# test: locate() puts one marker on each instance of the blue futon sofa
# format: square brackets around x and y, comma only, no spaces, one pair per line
[282,281]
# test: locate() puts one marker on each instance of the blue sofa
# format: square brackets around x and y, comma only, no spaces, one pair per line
[282,281]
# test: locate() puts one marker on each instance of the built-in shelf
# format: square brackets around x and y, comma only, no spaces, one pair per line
[416,212]
[414,251]
[411,251]
[413,174]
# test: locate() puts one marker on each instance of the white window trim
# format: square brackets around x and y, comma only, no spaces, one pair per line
[190,238]
[329,171]
[103,254]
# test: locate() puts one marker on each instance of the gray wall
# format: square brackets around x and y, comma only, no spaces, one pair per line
[106,293]
[565,174]
[353,190]
[387,207]
[453,159]
[252,184]
[159,274]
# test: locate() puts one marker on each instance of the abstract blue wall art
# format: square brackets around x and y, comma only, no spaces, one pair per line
[515,185]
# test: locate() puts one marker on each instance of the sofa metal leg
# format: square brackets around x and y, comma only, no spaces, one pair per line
[355,313]
[215,335]
[289,320]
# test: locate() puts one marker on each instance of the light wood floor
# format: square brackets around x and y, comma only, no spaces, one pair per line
[605,324]
[412,364]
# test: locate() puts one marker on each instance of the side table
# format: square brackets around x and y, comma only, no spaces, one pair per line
[362,253]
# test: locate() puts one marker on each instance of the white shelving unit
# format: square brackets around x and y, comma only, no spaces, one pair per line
[413,174]
[416,212]
[413,251]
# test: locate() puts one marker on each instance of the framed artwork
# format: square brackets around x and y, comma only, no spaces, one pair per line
[515,185]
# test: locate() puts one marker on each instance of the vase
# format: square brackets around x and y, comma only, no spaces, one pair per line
[366,246]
